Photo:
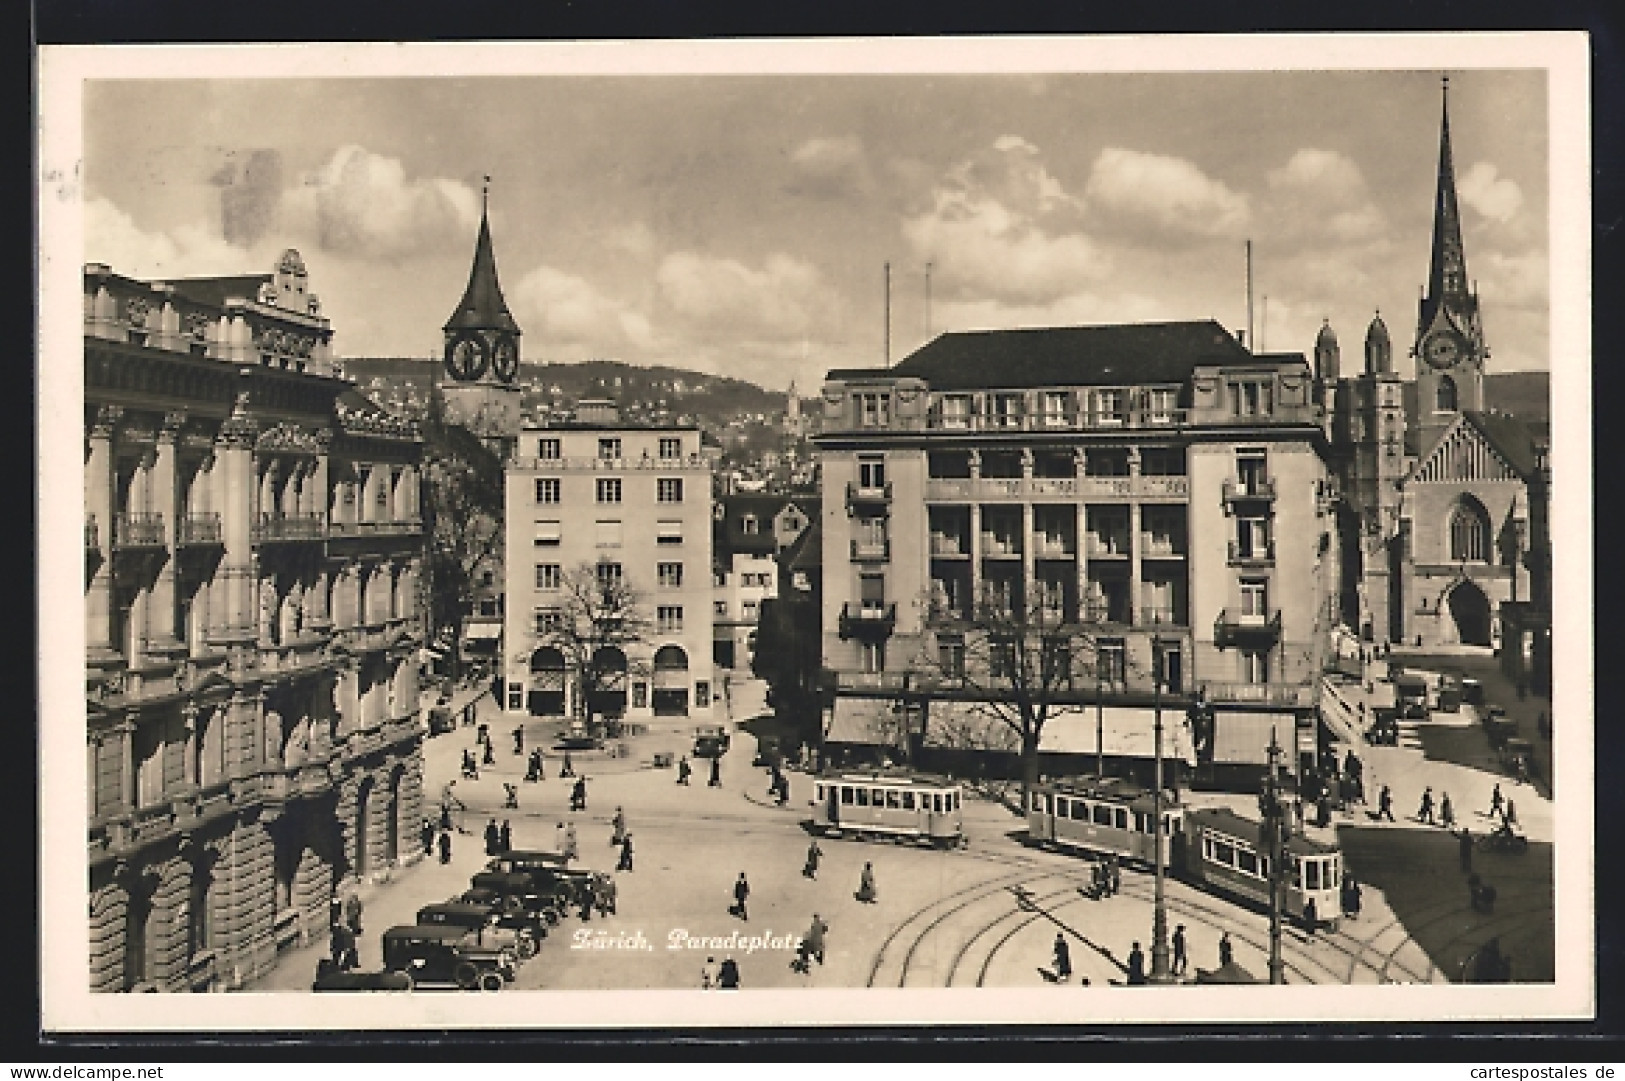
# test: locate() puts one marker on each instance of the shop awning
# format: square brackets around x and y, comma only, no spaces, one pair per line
[1127,731]
[1244,738]
[482,632]
[872,721]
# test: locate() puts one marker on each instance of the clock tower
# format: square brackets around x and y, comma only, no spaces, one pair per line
[1449,350]
[479,383]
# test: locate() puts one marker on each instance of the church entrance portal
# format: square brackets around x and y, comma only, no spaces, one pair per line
[1471,611]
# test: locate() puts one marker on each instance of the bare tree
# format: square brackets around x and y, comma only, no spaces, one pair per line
[600,617]
[463,517]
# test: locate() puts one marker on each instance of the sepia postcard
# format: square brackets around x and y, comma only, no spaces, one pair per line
[824,532]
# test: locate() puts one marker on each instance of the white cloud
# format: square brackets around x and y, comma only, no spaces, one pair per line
[112,237]
[364,204]
[634,239]
[1518,281]
[1322,194]
[1495,197]
[785,299]
[1001,225]
[831,167]
[557,308]
[1170,195]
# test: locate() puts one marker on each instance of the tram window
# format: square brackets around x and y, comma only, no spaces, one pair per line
[936,802]
[1120,818]
[1142,822]
[1038,801]
[846,794]
[1102,815]
[1263,867]
[1311,874]
[908,801]
[1207,848]
[820,793]
[1333,877]
[877,797]
[1063,806]
[1224,852]
[894,800]
[1247,861]
[863,797]
[956,801]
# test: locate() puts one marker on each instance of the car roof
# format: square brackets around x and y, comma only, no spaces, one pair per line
[437,931]
[459,908]
[519,855]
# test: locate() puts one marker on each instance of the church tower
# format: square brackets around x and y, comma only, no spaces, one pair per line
[481,343]
[1449,349]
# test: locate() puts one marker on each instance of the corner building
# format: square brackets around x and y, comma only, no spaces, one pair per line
[1145,488]
[629,502]
[252,554]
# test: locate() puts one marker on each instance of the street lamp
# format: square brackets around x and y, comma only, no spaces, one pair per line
[1160,972]
[1273,822]
[1100,716]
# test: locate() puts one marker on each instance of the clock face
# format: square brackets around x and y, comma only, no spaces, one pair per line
[1442,351]
[505,360]
[465,360]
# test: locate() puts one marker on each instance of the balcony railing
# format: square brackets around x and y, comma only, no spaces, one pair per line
[138,531]
[1232,626]
[1155,547]
[1157,616]
[1103,613]
[867,619]
[943,544]
[289,527]
[1071,420]
[1275,694]
[1252,488]
[403,526]
[858,492]
[1047,547]
[870,551]
[1252,554]
[1158,486]
[1100,547]
[994,545]
[92,534]
[199,529]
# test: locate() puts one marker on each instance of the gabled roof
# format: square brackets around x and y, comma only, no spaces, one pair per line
[1112,355]
[1510,437]
[806,552]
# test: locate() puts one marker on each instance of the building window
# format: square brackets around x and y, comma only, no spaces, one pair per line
[609,490]
[549,577]
[951,655]
[669,619]
[1056,406]
[548,449]
[1111,662]
[874,410]
[1160,405]
[1253,538]
[720,609]
[671,448]
[609,450]
[669,489]
[749,610]
[668,531]
[749,526]
[548,620]
[548,534]
[516,696]
[1252,398]
[1444,398]
[1007,410]
[609,575]
[1469,532]
[719,577]
[1255,597]
[871,657]
[702,692]
[1057,662]
[547,490]
[871,473]
[872,593]
[670,575]
[1001,658]
[1252,470]
[607,534]
[956,411]
[1255,666]
[1109,406]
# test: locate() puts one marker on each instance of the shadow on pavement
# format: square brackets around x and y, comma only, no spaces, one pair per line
[1420,875]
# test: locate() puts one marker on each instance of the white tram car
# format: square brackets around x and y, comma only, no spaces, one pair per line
[1102,816]
[899,806]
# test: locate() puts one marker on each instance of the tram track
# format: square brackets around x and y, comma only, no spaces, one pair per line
[908,958]
[982,888]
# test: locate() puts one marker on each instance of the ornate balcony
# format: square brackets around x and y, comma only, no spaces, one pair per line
[1274,694]
[1233,627]
[1252,489]
[867,620]
[860,494]
[1255,555]
[138,531]
[870,551]
[199,529]
[289,527]
[403,527]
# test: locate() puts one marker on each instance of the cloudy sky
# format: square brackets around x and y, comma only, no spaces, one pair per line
[740,224]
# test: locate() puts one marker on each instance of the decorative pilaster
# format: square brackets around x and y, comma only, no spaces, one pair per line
[99,506]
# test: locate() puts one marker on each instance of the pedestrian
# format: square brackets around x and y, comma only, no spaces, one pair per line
[1447,813]
[625,863]
[493,838]
[1136,966]
[571,848]
[1424,813]
[1464,848]
[716,774]
[445,816]
[1351,902]
[445,846]
[728,974]
[1063,959]
[338,944]
[1311,917]
[866,885]
[1115,868]
[1180,957]
[618,827]
[741,895]
[814,942]
[335,912]
[1495,800]
[1385,805]
[558,838]
[505,836]
[784,790]
[578,795]
[1226,953]
[352,911]
[604,892]
[708,974]
[1323,812]
[814,854]
[490,756]
[518,739]
[510,797]
[482,735]
[684,770]
[427,837]
[568,769]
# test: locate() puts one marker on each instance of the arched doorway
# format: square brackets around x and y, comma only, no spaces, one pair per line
[608,698]
[363,839]
[392,823]
[670,698]
[1470,610]
[546,683]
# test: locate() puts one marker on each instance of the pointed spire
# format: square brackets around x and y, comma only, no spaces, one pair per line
[1447,270]
[483,306]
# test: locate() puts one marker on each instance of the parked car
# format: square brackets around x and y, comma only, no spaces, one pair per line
[483,923]
[329,977]
[441,954]
[711,741]
[518,910]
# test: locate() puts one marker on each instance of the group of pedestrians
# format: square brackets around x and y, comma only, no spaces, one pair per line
[498,839]
[1106,877]
[344,930]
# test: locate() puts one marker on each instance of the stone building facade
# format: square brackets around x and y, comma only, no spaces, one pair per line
[252,547]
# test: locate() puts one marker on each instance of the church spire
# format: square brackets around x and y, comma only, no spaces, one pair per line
[1447,271]
[483,306]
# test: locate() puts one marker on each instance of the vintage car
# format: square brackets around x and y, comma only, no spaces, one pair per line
[561,889]
[329,977]
[711,741]
[517,910]
[484,924]
[524,860]
[442,955]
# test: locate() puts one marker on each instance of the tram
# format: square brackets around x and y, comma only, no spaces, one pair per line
[1215,849]
[900,806]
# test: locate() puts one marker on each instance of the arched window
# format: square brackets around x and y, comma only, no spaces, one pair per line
[1444,398]
[1469,531]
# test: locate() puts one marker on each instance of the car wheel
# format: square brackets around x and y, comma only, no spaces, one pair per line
[407,982]
[527,948]
[490,981]
[466,975]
